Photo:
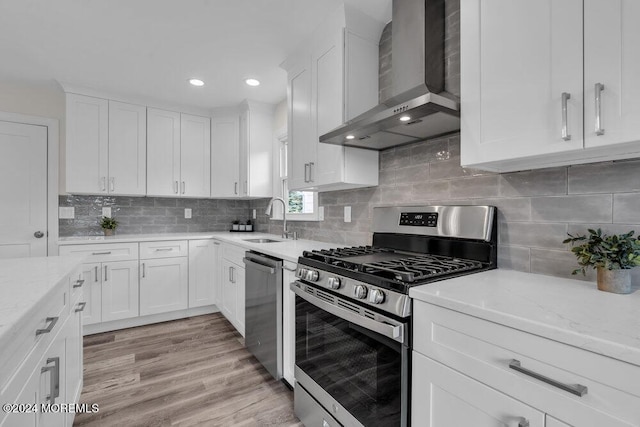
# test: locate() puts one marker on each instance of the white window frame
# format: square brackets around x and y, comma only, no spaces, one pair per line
[281,189]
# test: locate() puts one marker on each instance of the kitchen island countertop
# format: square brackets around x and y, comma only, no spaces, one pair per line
[565,310]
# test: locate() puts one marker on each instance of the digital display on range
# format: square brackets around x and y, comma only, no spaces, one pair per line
[419,219]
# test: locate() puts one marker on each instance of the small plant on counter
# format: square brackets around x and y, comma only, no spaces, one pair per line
[108,225]
[249,226]
[611,256]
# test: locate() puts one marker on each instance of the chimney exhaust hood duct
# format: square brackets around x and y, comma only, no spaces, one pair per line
[418,107]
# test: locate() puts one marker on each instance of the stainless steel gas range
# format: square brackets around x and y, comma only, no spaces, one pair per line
[353,312]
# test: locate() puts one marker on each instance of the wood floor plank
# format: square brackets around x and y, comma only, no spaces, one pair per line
[188,372]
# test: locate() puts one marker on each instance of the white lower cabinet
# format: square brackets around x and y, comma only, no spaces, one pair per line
[232,303]
[470,371]
[203,273]
[164,285]
[119,290]
[288,322]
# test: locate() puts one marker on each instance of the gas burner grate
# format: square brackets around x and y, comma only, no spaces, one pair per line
[420,267]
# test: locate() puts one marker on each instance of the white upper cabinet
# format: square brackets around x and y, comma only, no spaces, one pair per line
[106,147]
[225,152]
[548,83]
[242,151]
[332,79]
[87,144]
[178,154]
[127,149]
[195,156]
[611,72]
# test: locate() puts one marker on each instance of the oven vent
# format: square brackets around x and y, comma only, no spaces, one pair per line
[349,306]
[369,314]
[324,296]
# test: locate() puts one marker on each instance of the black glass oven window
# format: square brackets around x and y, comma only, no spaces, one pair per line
[359,368]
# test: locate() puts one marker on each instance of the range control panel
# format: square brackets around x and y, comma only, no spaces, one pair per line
[429,219]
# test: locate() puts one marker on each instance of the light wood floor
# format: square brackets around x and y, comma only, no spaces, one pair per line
[190,372]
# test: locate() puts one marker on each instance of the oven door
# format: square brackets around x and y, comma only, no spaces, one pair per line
[355,363]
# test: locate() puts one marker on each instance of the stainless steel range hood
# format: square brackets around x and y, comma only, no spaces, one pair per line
[418,107]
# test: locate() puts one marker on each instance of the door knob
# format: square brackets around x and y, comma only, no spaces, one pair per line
[38,234]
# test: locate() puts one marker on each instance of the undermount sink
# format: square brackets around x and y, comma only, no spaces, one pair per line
[262,240]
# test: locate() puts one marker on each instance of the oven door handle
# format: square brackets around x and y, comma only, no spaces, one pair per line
[395,332]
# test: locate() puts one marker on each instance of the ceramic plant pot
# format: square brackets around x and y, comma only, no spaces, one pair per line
[616,281]
[108,231]
[235,227]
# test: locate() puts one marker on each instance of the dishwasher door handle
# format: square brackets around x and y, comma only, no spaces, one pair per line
[261,267]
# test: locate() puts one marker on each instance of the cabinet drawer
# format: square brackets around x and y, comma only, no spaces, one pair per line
[233,253]
[25,340]
[484,350]
[165,249]
[103,252]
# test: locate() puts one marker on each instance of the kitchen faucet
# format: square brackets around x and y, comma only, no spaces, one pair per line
[285,232]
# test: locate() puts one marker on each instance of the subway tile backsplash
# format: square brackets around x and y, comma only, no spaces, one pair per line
[140,215]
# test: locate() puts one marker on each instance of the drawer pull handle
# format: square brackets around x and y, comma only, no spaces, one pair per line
[54,390]
[52,322]
[164,249]
[79,283]
[101,253]
[96,273]
[81,307]
[577,389]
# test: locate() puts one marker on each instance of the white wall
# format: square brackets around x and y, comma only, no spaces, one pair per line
[44,100]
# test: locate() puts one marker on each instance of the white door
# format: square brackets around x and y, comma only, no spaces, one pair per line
[23,174]
[164,285]
[202,272]
[519,57]
[612,59]
[244,153]
[119,290]
[195,156]
[224,156]
[127,149]
[228,305]
[163,153]
[442,397]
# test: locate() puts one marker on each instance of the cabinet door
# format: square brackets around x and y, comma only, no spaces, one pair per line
[164,285]
[119,290]
[288,322]
[229,298]
[195,156]
[87,144]
[328,108]
[202,272]
[302,141]
[29,395]
[244,153]
[442,397]
[611,58]
[92,293]
[73,354]
[518,58]
[239,283]
[127,149]
[225,162]
[163,153]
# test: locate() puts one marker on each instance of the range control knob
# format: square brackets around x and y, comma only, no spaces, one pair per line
[312,275]
[376,296]
[360,291]
[302,272]
[334,283]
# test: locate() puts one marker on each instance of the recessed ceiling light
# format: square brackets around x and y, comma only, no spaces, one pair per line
[350,137]
[252,82]
[405,118]
[196,82]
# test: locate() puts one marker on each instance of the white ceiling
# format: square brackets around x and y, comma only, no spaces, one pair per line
[149,48]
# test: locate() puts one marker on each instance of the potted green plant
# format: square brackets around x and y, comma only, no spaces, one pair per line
[108,225]
[235,225]
[612,256]
[249,226]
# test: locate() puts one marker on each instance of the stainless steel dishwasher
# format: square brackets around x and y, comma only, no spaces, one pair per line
[263,315]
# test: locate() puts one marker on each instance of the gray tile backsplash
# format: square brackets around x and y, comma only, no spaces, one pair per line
[139,215]
[535,208]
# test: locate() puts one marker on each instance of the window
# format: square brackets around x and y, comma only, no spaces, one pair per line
[302,205]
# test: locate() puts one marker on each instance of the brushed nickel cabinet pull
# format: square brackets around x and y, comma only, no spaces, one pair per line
[95,274]
[52,322]
[599,129]
[523,422]
[112,184]
[105,273]
[576,389]
[144,270]
[79,283]
[101,253]
[81,307]
[54,383]
[311,178]
[103,186]
[565,127]
[184,187]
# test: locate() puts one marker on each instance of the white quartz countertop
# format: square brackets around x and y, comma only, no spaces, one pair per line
[25,284]
[570,311]
[285,249]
